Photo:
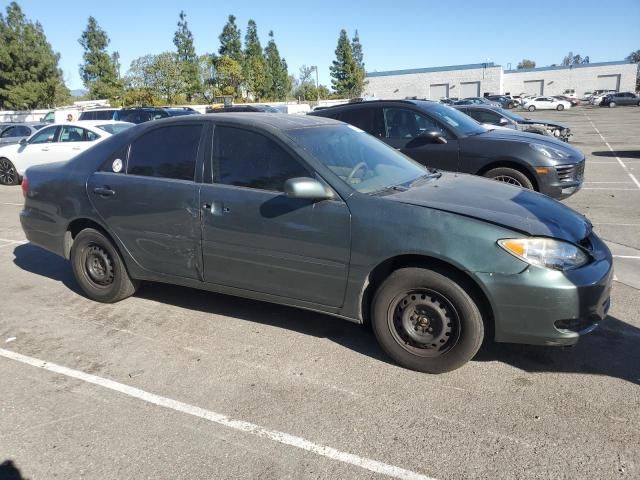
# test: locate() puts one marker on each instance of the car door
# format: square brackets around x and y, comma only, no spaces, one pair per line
[403,127]
[256,238]
[72,141]
[147,197]
[39,148]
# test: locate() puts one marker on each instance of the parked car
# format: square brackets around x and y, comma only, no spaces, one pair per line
[503,100]
[546,103]
[476,101]
[622,98]
[98,114]
[572,100]
[145,114]
[599,95]
[246,108]
[313,213]
[53,143]
[489,116]
[13,132]
[441,137]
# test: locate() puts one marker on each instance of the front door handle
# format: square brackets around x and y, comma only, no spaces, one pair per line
[76,148]
[45,149]
[104,191]
[215,207]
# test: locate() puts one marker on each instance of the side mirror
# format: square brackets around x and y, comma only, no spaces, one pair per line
[503,121]
[23,141]
[432,137]
[309,188]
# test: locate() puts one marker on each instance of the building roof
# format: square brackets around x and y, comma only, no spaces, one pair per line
[469,66]
[569,67]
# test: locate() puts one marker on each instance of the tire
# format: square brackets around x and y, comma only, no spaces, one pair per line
[511,176]
[532,108]
[8,173]
[99,269]
[444,327]
[560,107]
[612,104]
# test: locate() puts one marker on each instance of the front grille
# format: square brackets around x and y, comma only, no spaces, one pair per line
[570,173]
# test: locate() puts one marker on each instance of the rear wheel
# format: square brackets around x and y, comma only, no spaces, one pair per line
[532,108]
[99,269]
[560,107]
[511,176]
[426,321]
[612,104]
[8,173]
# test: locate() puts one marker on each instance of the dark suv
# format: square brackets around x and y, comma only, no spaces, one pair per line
[441,137]
[621,98]
[145,114]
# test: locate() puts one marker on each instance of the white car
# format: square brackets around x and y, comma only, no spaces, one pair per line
[54,143]
[546,103]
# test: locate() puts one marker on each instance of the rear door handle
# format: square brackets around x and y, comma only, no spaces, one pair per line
[104,191]
[76,148]
[45,149]
[215,208]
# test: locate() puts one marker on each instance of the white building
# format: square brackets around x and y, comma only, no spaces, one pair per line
[487,78]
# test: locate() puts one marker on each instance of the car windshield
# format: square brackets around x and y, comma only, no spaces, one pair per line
[513,116]
[460,123]
[114,128]
[360,160]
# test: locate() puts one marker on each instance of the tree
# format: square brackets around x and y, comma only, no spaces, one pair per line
[155,79]
[207,73]
[254,64]
[346,80]
[571,59]
[228,75]
[230,40]
[277,74]
[98,72]
[526,63]
[187,58]
[29,73]
[634,57]
[306,74]
[358,57]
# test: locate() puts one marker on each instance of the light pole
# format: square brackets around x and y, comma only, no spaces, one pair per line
[315,67]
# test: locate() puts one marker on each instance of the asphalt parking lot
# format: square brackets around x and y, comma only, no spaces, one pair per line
[179,383]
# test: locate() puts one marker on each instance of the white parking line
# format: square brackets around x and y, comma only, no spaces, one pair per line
[9,243]
[618,224]
[240,425]
[627,256]
[610,189]
[9,203]
[622,164]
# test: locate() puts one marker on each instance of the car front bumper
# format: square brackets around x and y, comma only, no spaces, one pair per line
[547,307]
[562,181]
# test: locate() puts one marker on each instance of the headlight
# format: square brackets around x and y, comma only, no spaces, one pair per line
[545,252]
[550,152]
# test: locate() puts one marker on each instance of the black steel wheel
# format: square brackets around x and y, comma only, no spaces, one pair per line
[8,173]
[99,269]
[426,320]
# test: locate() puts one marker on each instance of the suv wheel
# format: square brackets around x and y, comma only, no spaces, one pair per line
[426,321]
[511,176]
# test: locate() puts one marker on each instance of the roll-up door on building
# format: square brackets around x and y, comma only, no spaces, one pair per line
[608,82]
[438,91]
[469,89]
[534,87]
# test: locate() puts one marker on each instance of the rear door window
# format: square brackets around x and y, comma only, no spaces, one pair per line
[166,152]
[368,119]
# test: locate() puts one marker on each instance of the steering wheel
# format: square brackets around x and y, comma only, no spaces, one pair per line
[358,167]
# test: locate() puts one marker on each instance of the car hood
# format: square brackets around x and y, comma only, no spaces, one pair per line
[512,207]
[529,121]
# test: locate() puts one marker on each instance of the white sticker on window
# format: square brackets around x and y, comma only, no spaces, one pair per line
[355,128]
[116,166]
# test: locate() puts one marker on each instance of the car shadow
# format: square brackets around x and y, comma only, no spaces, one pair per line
[613,349]
[617,153]
[9,471]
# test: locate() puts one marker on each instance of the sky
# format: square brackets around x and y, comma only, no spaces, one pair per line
[395,34]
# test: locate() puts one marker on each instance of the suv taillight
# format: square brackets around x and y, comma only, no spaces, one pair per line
[25,186]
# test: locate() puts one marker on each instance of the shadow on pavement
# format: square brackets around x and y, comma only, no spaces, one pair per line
[617,153]
[9,471]
[613,349]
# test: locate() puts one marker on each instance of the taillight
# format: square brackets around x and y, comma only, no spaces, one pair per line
[25,186]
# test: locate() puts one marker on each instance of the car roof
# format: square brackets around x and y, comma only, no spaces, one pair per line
[419,103]
[477,106]
[276,121]
[86,123]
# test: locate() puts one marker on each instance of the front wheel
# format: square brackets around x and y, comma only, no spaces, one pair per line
[560,107]
[426,321]
[8,173]
[99,269]
[532,108]
[612,104]
[510,176]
